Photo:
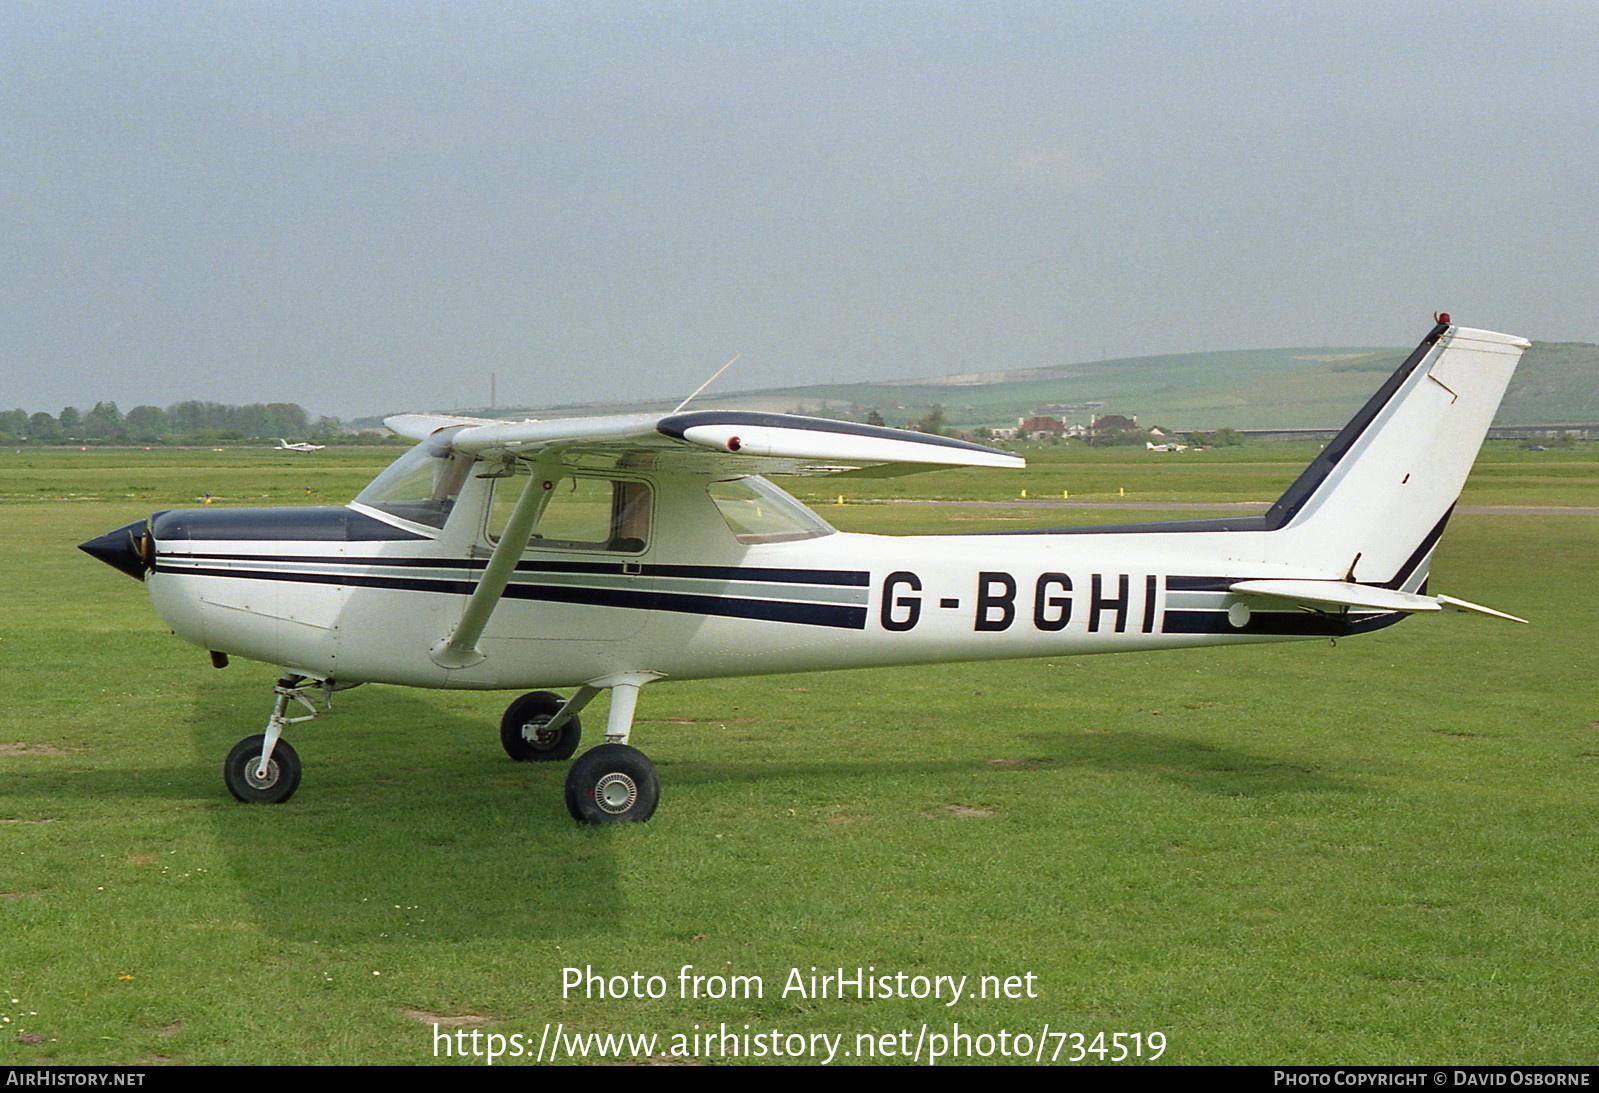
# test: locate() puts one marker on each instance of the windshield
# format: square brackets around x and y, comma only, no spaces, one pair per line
[421,485]
[758,512]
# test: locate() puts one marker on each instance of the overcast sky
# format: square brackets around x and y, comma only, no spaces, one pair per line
[372,207]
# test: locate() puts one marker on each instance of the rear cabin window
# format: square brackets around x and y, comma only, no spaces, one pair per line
[583,513]
[758,512]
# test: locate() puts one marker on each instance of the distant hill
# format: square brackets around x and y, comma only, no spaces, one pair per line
[1557,381]
[1243,389]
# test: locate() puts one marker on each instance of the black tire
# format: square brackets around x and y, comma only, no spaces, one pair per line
[524,740]
[282,778]
[612,784]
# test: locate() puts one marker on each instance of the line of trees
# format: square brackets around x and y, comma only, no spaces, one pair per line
[180,422]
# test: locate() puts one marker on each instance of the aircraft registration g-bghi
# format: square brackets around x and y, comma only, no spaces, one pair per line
[603,554]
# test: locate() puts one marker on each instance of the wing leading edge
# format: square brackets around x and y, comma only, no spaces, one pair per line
[714,442]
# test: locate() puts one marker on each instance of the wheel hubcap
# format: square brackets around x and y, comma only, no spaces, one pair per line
[615,793]
[536,734]
[256,781]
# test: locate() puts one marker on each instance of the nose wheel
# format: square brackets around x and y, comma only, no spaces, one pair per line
[252,785]
[263,769]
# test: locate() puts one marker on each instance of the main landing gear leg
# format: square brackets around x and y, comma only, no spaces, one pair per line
[264,769]
[614,783]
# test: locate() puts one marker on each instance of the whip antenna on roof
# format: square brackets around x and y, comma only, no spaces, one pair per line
[706,384]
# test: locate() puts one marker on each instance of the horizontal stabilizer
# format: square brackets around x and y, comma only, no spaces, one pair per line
[1362,597]
[1477,608]
[1339,594]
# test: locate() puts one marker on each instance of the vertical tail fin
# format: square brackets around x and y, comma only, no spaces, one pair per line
[1373,503]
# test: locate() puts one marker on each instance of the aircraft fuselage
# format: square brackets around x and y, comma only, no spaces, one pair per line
[340,593]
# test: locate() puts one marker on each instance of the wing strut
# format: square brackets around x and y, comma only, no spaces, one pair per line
[459,649]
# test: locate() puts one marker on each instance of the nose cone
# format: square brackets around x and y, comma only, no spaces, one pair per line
[128,549]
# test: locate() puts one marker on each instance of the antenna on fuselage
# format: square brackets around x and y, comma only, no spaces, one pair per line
[706,384]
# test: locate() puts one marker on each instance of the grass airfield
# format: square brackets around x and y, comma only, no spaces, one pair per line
[1379,852]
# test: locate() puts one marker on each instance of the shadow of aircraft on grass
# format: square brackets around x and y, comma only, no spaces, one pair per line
[422,829]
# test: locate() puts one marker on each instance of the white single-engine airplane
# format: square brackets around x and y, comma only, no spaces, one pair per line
[607,553]
[302,446]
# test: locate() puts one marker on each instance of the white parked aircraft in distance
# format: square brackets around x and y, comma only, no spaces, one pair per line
[303,446]
[605,554]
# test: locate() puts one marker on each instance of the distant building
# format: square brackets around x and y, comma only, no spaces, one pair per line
[1108,425]
[1039,427]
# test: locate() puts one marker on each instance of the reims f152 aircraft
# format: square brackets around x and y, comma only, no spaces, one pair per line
[603,554]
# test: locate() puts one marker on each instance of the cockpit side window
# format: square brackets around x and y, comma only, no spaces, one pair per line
[423,484]
[583,512]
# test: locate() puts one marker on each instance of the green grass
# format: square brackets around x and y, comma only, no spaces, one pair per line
[1378,852]
[168,477]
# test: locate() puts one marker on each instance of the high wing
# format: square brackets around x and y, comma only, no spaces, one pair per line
[422,426]
[713,442]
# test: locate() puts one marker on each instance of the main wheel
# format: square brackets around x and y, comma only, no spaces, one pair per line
[522,732]
[282,773]
[612,784]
